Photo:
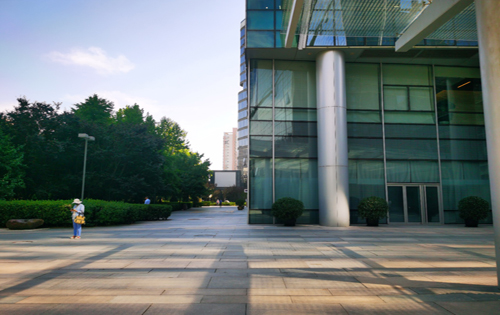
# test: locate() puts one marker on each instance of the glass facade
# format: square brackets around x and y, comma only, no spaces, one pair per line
[413,130]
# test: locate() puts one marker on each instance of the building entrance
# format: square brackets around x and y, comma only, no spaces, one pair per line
[414,203]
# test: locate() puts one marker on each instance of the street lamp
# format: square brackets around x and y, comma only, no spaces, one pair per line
[87,138]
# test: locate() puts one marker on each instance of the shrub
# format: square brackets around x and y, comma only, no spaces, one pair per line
[240,202]
[287,208]
[206,203]
[177,206]
[473,208]
[373,208]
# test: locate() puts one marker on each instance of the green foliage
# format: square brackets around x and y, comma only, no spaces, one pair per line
[177,206]
[234,193]
[373,208]
[11,167]
[97,212]
[240,202]
[473,208]
[287,208]
[95,110]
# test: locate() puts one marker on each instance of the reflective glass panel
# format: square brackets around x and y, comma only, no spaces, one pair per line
[298,178]
[366,178]
[411,149]
[260,20]
[295,114]
[409,118]
[413,204]
[412,172]
[364,130]
[421,98]
[279,20]
[446,118]
[462,132]
[362,85]
[410,131]
[261,181]
[296,147]
[396,98]
[261,113]
[261,83]
[463,150]
[260,4]
[396,204]
[261,128]
[261,146]
[295,84]
[363,116]
[260,39]
[365,148]
[406,74]
[292,128]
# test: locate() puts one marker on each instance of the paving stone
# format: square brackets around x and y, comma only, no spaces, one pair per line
[196,309]
[467,308]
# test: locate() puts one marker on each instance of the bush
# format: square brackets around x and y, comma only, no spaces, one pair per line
[206,203]
[287,208]
[373,208]
[473,208]
[97,212]
[240,202]
[178,206]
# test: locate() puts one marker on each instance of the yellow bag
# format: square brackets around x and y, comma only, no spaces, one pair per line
[80,219]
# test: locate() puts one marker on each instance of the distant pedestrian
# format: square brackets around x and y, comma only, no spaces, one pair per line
[78,210]
[147,201]
[220,202]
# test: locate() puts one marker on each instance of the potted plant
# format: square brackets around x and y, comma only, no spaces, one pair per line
[373,209]
[240,203]
[472,209]
[287,209]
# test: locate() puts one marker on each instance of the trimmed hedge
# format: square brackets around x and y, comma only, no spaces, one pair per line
[97,212]
[178,206]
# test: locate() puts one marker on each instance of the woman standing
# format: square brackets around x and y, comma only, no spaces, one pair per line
[78,209]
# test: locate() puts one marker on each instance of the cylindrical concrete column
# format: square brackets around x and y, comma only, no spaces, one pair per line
[333,174]
[488,28]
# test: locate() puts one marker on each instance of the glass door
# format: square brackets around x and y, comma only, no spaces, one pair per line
[414,203]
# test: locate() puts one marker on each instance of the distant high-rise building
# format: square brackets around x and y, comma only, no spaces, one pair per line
[230,153]
[242,106]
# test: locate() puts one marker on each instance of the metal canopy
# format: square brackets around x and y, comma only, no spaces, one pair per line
[333,22]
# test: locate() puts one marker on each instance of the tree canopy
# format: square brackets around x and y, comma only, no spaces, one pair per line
[132,156]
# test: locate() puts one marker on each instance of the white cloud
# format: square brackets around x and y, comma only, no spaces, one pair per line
[95,58]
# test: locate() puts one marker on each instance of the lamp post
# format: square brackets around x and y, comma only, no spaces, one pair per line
[87,138]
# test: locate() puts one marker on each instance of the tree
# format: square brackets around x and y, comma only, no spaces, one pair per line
[130,115]
[94,109]
[11,167]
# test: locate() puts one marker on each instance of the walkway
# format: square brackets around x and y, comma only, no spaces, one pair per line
[209,261]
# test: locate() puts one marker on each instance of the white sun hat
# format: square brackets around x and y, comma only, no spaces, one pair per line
[77,201]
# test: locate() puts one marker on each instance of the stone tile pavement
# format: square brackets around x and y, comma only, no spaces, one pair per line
[209,261]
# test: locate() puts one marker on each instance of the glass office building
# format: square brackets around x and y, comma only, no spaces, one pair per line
[404,126]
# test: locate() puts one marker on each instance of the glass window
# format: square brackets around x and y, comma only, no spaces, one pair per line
[261,113]
[242,95]
[461,119]
[280,40]
[462,179]
[260,20]
[363,116]
[362,85]
[457,72]
[421,98]
[364,130]
[260,39]
[406,75]
[261,181]
[295,84]
[261,128]
[462,132]
[242,114]
[291,128]
[242,123]
[463,150]
[243,77]
[242,104]
[396,98]
[366,178]
[412,172]
[242,142]
[279,20]
[459,95]
[410,131]
[261,83]
[297,178]
[409,118]
[296,147]
[261,146]
[242,133]
[296,114]
[411,149]
[260,4]
[365,148]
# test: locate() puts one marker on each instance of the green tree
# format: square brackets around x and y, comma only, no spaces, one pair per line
[130,115]
[11,167]
[94,109]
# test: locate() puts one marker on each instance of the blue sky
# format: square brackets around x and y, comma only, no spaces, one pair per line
[178,59]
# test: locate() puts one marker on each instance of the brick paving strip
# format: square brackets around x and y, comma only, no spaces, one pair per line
[209,261]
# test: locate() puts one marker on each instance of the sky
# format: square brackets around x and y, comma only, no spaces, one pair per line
[178,59]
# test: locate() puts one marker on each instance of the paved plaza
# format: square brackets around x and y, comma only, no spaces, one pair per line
[209,261]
